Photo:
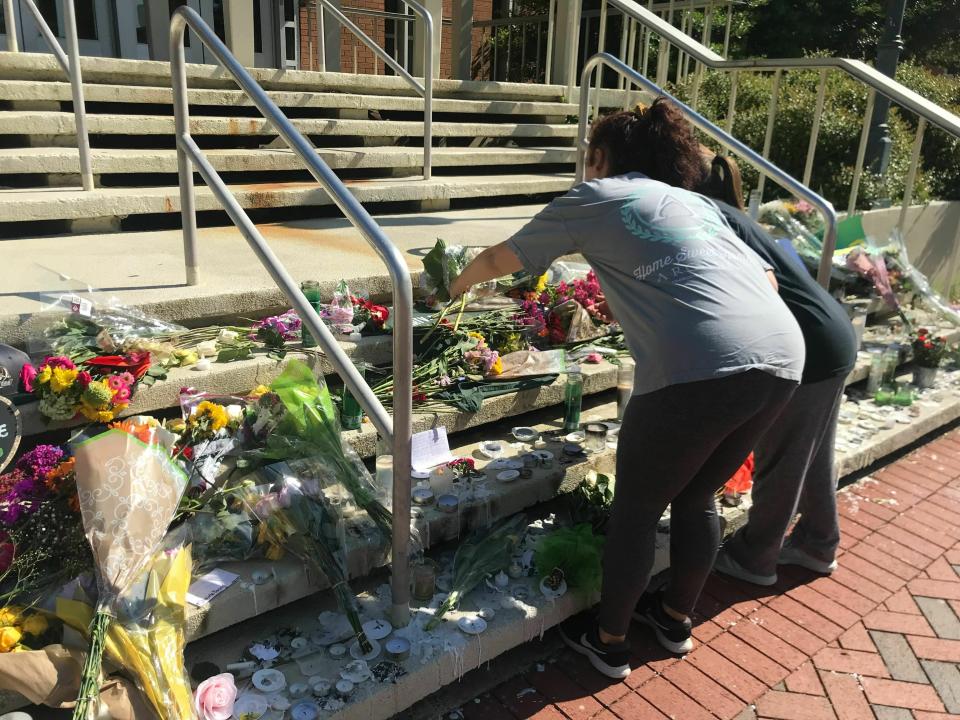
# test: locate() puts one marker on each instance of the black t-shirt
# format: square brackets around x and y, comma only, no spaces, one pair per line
[827,331]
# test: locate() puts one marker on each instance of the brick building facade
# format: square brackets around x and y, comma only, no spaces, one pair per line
[357,57]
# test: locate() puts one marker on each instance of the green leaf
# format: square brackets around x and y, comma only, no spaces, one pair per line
[236,352]
[433,265]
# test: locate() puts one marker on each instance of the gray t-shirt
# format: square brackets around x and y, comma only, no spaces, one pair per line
[694,302]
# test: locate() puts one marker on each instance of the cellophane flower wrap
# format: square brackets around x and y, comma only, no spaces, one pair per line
[129,489]
[147,638]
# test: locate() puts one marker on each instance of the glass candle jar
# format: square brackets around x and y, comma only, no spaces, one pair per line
[351,418]
[424,576]
[877,366]
[624,384]
[384,478]
[311,291]
[573,399]
[596,437]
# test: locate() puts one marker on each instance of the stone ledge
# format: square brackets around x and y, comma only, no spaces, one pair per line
[51,160]
[33,205]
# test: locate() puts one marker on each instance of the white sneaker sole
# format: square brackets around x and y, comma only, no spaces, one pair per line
[726,565]
[598,665]
[801,559]
[677,648]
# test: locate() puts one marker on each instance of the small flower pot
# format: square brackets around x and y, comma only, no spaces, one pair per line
[924,377]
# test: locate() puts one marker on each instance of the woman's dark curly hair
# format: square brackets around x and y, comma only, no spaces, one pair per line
[656,141]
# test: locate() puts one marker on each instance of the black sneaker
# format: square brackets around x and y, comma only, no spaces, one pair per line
[674,635]
[580,634]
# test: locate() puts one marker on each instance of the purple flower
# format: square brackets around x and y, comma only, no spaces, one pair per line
[40,461]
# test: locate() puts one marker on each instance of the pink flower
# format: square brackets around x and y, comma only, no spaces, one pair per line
[593,358]
[122,395]
[28,373]
[84,378]
[61,361]
[115,382]
[128,378]
[214,698]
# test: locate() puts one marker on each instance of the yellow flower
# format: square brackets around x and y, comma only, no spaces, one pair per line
[176,425]
[62,379]
[497,367]
[43,377]
[541,284]
[186,357]
[215,415]
[35,625]
[259,391]
[9,638]
[10,615]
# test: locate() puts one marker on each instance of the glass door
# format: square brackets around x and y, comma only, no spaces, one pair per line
[265,34]
[288,12]
[95,27]
[132,30]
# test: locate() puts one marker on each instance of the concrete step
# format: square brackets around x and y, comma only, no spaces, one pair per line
[115,203]
[133,95]
[38,67]
[15,122]
[147,267]
[57,160]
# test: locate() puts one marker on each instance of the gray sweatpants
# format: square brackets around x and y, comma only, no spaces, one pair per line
[795,472]
[677,446]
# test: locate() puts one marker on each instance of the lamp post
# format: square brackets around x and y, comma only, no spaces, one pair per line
[888,55]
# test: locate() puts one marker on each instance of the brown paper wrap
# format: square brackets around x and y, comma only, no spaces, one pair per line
[51,677]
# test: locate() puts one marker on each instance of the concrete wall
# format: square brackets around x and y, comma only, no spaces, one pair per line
[367,62]
[933,238]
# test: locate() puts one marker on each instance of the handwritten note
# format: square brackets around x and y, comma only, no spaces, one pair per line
[429,449]
[206,587]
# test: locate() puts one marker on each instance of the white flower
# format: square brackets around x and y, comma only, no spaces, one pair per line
[235,412]
[591,478]
[227,336]
[207,347]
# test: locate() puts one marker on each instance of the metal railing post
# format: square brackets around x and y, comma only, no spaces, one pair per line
[10,22]
[771,122]
[181,116]
[573,46]
[397,430]
[732,102]
[861,152]
[321,37]
[815,129]
[724,138]
[912,174]
[76,88]
[551,25]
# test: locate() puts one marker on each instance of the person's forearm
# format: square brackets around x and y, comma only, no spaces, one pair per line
[492,263]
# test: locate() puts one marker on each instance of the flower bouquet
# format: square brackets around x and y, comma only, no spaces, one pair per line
[42,544]
[297,419]
[129,491]
[147,636]
[485,552]
[928,353]
[292,520]
[66,391]
[577,552]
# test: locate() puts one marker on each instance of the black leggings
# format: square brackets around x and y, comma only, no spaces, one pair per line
[677,446]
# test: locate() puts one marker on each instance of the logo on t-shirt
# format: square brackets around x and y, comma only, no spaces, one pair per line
[670,215]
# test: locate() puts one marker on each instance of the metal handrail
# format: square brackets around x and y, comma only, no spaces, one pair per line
[722,137]
[927,111]
[425,89]
[396,430]
[70,65]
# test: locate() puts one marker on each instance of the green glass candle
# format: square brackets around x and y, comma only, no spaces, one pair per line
[904,396]
[311,291]
[573,398]
[884,396]
[351,417]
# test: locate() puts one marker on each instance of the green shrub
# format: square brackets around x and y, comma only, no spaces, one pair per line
[840,129]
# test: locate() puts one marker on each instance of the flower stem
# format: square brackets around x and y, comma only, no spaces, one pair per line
[90,677]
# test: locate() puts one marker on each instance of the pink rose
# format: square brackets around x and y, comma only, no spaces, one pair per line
[28,373]
[593,358]
[84,378]
[214,697]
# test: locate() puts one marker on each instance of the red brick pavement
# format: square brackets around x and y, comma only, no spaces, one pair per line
[879,640]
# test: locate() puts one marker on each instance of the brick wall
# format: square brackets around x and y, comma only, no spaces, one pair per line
[366,61]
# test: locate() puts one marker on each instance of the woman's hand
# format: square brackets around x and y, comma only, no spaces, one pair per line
[492,263]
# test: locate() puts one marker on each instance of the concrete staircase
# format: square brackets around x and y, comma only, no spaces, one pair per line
[500,145]
[494,140]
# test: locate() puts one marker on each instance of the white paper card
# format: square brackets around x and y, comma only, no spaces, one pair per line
[78,305]
[429,449]
[206,587]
